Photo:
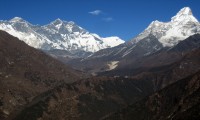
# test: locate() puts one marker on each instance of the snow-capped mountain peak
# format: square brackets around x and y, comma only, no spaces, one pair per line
[65,26]
[59,34]
[16,19]
[185,11]
[181,26]
[154,24]
[185,14]
[57,21]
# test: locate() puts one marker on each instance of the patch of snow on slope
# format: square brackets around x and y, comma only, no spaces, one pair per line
[112,41]
[112,65]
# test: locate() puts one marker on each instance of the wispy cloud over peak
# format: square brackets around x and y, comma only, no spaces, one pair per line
[95,12]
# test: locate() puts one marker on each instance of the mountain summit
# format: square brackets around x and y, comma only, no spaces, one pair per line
[58,34]
[181,26]
[16,19]
[185,14]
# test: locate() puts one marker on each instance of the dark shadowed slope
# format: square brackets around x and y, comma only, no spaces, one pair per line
[98,96]
[179,101]
[26,72]
[87,99]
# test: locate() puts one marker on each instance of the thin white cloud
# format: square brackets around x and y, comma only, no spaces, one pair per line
[95,12]
[108,19]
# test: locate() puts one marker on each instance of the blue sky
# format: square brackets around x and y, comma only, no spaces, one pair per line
[123,18]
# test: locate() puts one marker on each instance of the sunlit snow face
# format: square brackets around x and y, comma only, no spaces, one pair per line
[58,35]
[181,26]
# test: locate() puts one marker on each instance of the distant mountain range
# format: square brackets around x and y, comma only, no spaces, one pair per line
[158,36]
[59,34]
